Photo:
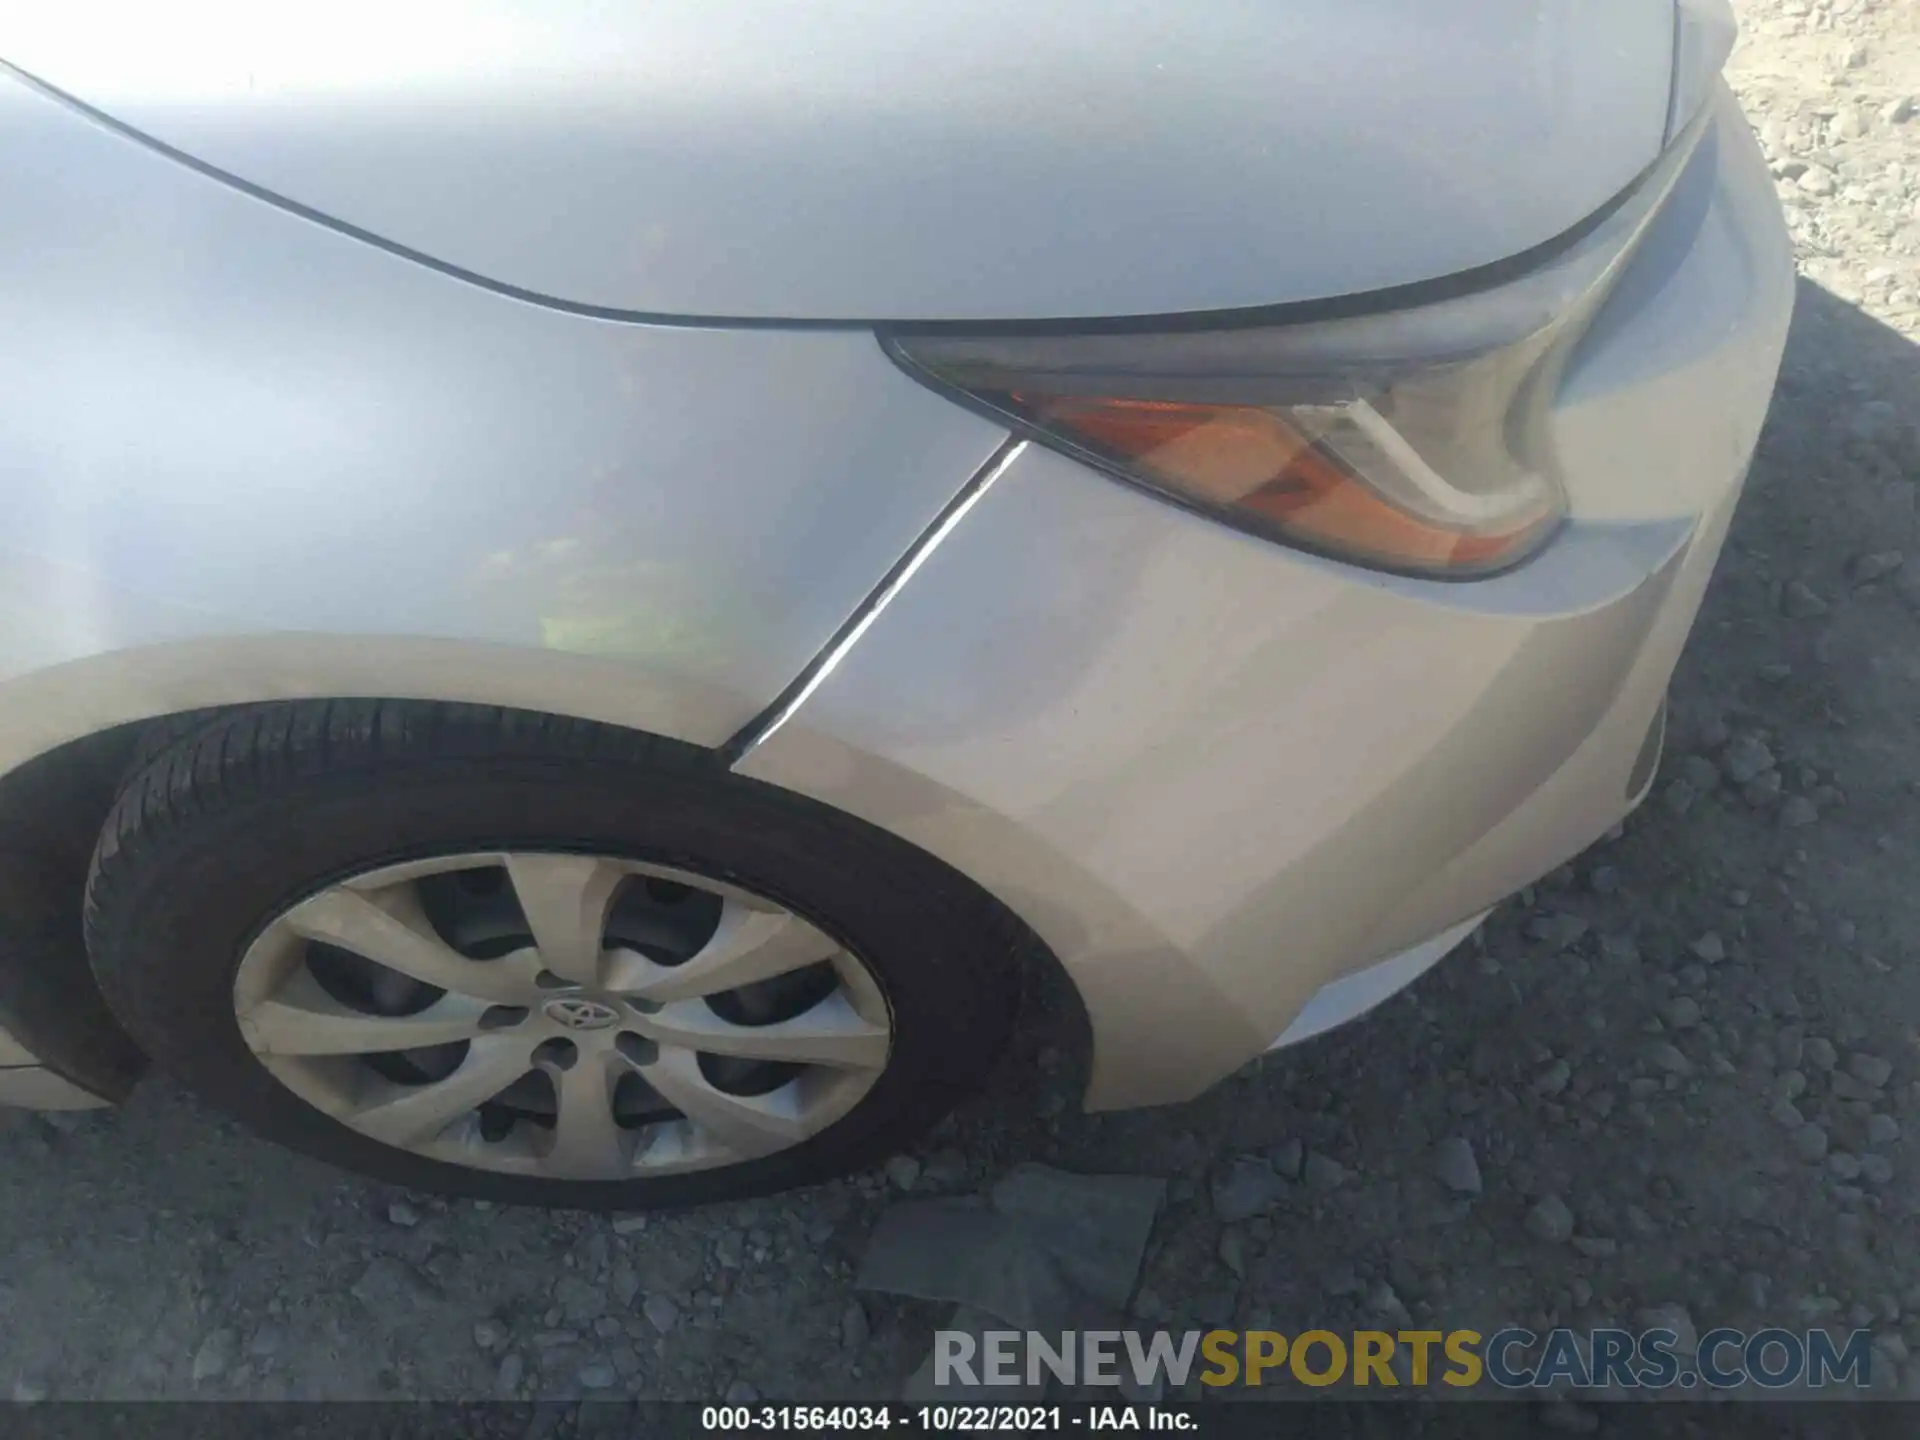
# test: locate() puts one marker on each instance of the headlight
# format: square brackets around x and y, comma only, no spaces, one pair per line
[1412,439]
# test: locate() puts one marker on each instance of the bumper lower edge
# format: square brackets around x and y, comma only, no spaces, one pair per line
[34,1087]
[1351,996]
[28,1085]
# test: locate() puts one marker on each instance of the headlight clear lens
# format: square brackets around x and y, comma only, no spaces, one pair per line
[1413,439]
[1365,477]
[1425,475]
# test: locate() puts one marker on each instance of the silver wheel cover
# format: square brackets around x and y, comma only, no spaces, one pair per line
[625,1043]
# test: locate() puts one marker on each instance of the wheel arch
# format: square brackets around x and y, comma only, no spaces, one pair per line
[48,708]
[70,734]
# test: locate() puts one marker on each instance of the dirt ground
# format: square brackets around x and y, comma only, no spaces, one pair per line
[1685,1066]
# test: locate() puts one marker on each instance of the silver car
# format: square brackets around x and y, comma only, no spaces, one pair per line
[591,592]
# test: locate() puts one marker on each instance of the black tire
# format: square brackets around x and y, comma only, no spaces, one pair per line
[240,819]
[50,813]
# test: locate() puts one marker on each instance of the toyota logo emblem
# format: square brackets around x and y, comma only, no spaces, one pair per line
[580,1014]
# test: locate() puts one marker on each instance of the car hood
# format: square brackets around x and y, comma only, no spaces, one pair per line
[873,159]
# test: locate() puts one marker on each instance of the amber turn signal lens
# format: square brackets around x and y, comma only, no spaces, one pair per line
[1257,465]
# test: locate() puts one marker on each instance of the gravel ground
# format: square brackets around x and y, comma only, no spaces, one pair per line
[1676,1076]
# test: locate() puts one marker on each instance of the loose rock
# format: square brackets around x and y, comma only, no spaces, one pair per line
[215,1354]
[1553,1079]
[945,1168]
[1455,1165]
[1550,1220]
[661,1313]
[1810,1143]
[1870,1069]
[1865,569]
[581,1302]
[903,1171]
[1323,1172]
[507,1378]
[1674,1317]
[1247,1186]
[854,1327]
[1558,931]
[1746,757]
[1668,1057]
[1288,1158]
[1233,1252]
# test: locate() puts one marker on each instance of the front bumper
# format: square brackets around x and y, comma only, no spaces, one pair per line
[26,1083]
[1216,776]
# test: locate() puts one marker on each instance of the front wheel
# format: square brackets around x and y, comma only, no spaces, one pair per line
[525,958]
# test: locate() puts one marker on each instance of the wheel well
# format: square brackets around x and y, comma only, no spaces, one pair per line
[51,812]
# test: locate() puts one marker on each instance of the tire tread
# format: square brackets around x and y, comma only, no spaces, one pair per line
[217,758]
